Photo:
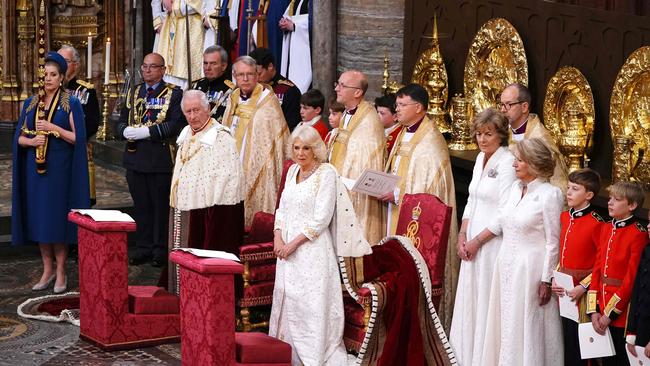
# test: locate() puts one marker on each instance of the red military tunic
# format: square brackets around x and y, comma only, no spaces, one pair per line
[322,127]
[580,230]
[619,253]
[391,137]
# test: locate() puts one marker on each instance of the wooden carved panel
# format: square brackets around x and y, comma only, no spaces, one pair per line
[591,38]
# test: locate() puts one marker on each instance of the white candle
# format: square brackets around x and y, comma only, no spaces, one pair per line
[107,64]
[89,59]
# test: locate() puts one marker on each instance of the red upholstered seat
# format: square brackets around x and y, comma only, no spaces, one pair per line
[256,348]
[426,220]
[152,300]
[432,219]
[259,261]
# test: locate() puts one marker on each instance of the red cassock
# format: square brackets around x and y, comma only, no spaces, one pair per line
[580,232]
[322,128]
[619,253]
[391,138]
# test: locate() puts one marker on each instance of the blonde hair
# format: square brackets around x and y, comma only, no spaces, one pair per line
[492,117]
[632,191]
[309,136]
[536,153]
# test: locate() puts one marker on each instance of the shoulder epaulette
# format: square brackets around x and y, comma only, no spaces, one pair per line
[85,84]
[229,84]
[172,86]
[197,80]
[286,82]
[642,228]
[597,216]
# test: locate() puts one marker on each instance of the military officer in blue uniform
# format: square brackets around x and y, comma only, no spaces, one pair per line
[151,130]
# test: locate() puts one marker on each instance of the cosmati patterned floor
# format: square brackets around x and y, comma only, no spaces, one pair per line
[30,342]
[110,184]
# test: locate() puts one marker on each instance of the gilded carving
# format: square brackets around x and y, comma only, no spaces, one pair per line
[388,86]
[461,138]
[496,58]
[569,114]
[430,73]
[630,119]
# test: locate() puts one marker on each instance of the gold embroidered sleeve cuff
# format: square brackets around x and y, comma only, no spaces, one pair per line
[591,301]
[586,281]
[611,310]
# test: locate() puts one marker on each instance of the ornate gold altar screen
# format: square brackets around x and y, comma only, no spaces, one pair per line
[67,22]
[497,58]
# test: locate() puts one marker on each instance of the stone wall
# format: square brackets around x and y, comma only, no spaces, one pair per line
[366,30]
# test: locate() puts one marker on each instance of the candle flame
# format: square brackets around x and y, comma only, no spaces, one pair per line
[108,39]
[90,34]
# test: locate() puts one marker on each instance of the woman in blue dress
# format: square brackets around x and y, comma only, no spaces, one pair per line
[42,199]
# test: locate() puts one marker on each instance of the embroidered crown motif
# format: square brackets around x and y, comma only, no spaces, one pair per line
[417,211]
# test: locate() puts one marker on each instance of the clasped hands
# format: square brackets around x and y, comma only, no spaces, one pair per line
[600,322]
[281,249]
[467,249]
[136,133]
[287,25]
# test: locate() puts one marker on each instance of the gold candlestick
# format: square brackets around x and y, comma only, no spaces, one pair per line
[104,133]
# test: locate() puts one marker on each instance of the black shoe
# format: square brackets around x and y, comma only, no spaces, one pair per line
[138,260]
[158,262]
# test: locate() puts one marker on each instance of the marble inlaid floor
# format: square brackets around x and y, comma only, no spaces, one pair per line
[112,190]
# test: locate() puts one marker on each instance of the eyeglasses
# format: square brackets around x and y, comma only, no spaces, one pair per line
[508,105]
[336,83]
[402,105]
[245,75]
[146,67]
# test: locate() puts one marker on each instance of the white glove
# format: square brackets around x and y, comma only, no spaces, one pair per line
[136,133]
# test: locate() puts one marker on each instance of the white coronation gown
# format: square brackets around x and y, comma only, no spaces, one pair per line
[519,332]
[307,309]
[488,189]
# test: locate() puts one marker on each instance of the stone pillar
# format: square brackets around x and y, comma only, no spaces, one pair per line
[367,30]
[323,52]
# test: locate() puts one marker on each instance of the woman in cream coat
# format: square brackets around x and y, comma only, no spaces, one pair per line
[491,181]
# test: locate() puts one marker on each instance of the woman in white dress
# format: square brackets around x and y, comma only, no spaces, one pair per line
[491,181]
[307,309]
[523,326]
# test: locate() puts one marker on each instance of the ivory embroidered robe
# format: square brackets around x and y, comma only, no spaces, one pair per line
[261,134]
[535,128]
[422,161]
[359,145]
[172,42]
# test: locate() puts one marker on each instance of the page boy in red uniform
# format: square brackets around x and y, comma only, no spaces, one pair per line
[620,246]
[580,229]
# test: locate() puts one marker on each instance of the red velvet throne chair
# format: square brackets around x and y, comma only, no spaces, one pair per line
[259,262]
[113,314]
[208,318]
[426,220]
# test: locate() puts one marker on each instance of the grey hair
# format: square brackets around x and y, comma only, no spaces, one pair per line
[245,60]
[193,93]
[309,136]
[75,53]
[223,54]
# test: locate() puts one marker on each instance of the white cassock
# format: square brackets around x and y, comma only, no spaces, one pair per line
[209,8]
[296,54]
[158,14]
